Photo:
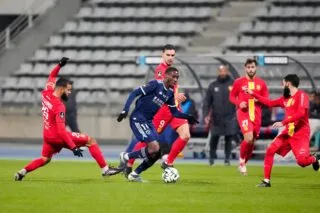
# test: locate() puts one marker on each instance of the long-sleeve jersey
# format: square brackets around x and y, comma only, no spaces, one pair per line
[152,97]
[54,111]
[296,111]
[238,95]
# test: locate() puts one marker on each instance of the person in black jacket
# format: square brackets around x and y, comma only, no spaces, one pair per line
[220,113]
[71,112]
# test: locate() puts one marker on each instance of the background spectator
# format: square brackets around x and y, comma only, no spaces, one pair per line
[221,113]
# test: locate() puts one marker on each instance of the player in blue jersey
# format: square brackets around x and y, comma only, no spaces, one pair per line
[152,97]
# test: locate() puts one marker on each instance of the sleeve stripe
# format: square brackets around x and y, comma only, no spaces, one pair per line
[172,106]
[143,90]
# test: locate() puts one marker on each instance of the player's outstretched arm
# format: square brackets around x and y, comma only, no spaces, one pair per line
[266,101]
[128,103]
[142,90]
[54,73]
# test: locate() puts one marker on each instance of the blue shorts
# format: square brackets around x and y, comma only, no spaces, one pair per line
[144,130]
[169,135]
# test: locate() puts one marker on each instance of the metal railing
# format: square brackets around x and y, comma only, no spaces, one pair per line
[23,22]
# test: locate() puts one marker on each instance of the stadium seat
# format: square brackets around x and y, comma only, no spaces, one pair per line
[70,26]
[84,12]
[98,69]
[41,69]
[55,40]
[69,70]
[99,27]
[84,27]
[99,55]
[70,41]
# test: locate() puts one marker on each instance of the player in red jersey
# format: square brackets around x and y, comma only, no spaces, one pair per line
[164,117]
[248,110]
[295,135]
[55,135]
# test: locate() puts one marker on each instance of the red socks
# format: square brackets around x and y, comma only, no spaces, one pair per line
[36,163]
[96,153]
[176,148]
[250,150]
[137,147]
[244,146]
[246,150]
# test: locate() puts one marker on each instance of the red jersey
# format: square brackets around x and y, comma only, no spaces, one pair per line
[53,112]
[160,70]
[296,112]
[159,74]
[238,95]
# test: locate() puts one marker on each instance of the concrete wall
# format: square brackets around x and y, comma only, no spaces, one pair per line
[30,127]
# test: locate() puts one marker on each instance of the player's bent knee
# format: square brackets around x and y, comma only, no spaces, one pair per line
[301,161]
[184,132]
[249,137]
[153,147]
[91,141]
[46,160]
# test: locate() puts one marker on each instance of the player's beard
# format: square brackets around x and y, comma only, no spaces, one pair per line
[251,74]
[286,92]
[64,97]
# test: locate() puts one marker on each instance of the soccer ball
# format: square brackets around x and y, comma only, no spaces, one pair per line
[170,175]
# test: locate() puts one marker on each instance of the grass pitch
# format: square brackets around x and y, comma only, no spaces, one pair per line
[77,187]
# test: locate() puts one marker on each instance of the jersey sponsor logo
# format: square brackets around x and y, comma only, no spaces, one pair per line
[289,103]
[61,114]
[216,89]
[158,101]
[258,87]
[46,102]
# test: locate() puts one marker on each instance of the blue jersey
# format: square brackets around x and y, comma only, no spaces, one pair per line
[153,96]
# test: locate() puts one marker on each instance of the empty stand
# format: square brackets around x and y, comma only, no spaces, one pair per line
[103,40]
[282,26]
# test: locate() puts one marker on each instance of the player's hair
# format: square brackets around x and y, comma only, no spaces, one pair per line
[168,47]
[293,79]
[63,82]
[250,61]
[169,70]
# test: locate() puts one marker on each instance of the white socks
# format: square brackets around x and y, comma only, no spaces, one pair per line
[23,172]
[266,180]
[104,169]
[126,156]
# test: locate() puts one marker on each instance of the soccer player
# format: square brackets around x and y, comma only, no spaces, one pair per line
[164,117]
[152,97]
[55,135]
[248,110]
[296,133]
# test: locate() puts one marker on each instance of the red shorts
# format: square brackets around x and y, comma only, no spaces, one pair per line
[297,143]
[52,146]
[246,125]
[163,118]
